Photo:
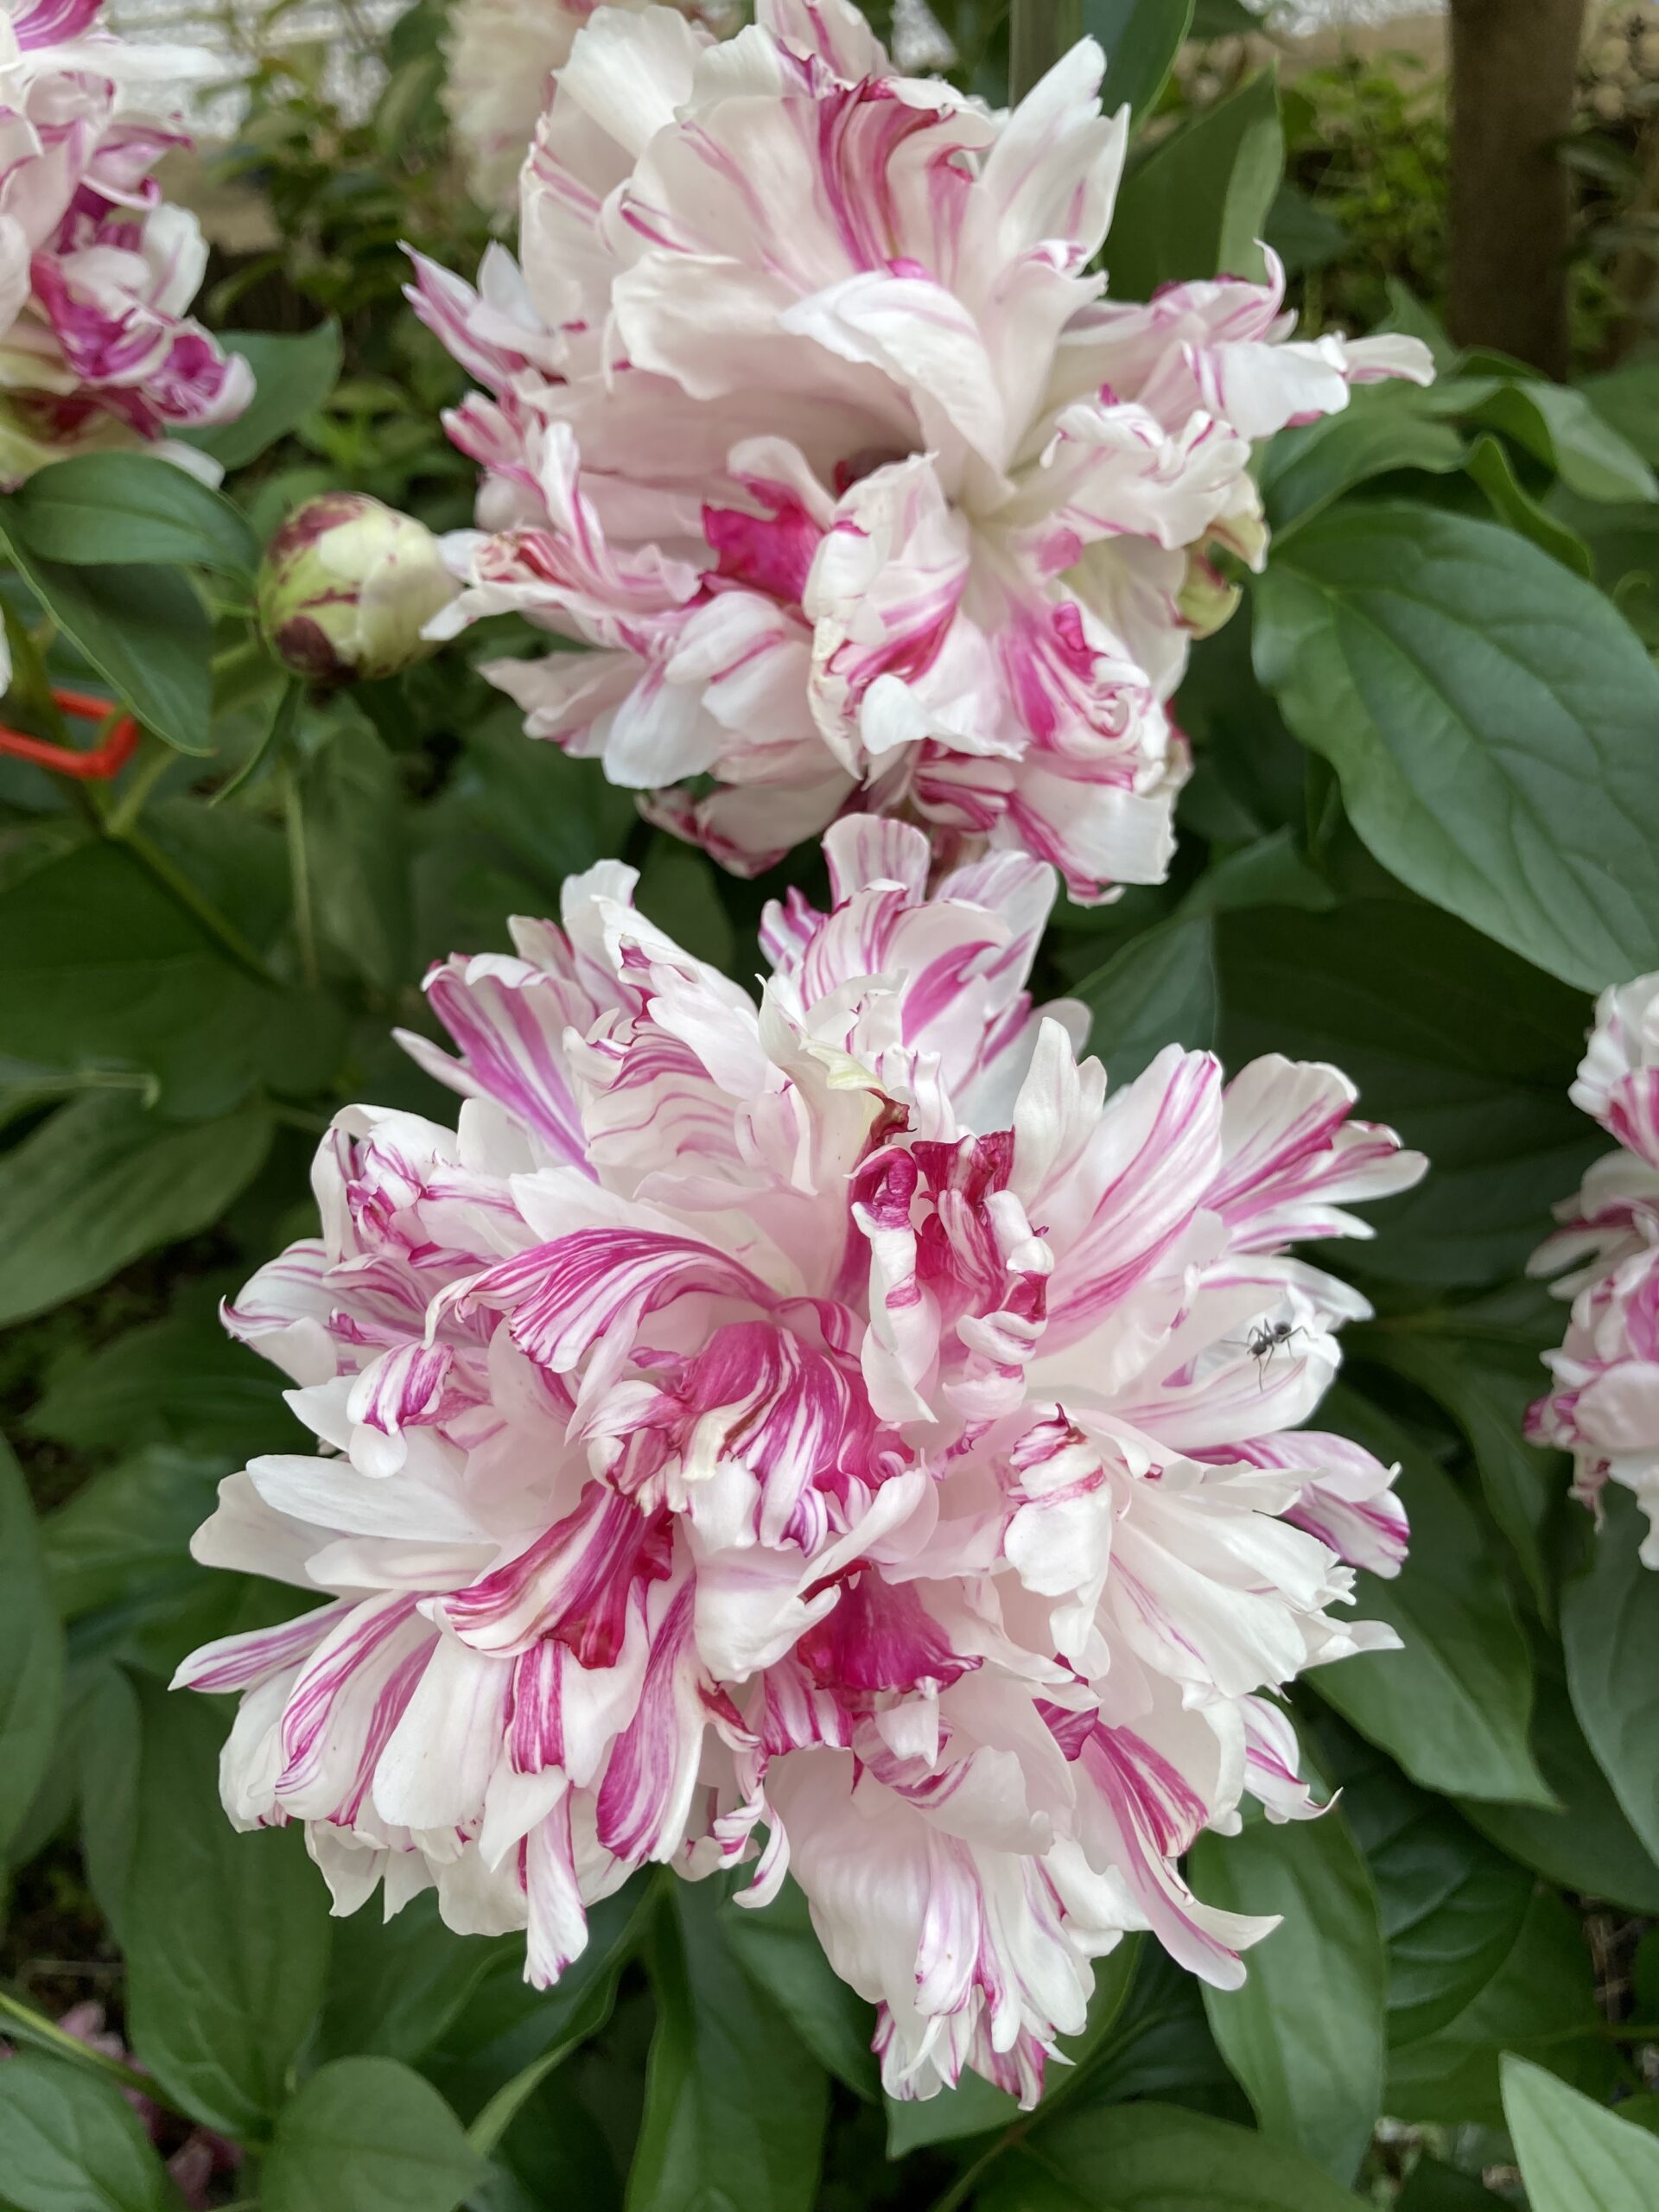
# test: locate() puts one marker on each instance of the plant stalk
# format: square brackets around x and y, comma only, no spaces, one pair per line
[36,2028]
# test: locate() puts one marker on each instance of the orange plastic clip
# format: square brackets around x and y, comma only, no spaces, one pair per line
[97,766]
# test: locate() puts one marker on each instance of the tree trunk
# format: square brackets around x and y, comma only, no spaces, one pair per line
[1514,68]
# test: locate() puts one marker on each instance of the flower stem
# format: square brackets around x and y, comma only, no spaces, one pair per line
[1039,32]
[299,870]
[177,884]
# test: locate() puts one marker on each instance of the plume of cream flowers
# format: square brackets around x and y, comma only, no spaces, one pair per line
[829,1436]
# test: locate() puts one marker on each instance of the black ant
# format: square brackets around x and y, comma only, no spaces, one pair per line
[1267,1338]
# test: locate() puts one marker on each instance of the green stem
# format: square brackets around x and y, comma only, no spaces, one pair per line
[1039,32]
[38,2028]
[177,884]
[155,763]
[299,871]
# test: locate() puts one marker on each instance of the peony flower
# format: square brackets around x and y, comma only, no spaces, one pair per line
[1604,1407]
[805,411]
[97,270]
[347,586]
[502,57]
[830,1434]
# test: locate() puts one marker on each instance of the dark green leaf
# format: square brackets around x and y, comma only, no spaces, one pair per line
[105,969]
[143,630]
[1198,202]
[1382,429]
[181,1382]
[735,2108]
[1463,1048]
[1305,2032]
[1541,2001]
[1452,1906]
[1494,722]
[1588,1846]
[72,2143]
[368,2134]
[1562,429]
[1451,1708]
[1158,989]
[1437,2188]
[132,1520]
[678,890]
[356,839]
[1224,19]
[293,377]
[1489,464]
[104,1181]
[1574,2156]
[778,1950]
[100,507]
[1628,398]
[31,1653]
[1154,2158]
[1142,39]
[1609,1628]
[395,1988]
[227,1934]
[557,816]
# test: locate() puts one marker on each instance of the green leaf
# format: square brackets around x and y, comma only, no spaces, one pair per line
[1451,1708]
[1383,428]
[103,970]
[1141,39]
[31,1653]
[1574,2156]
[778,1950]
[1158,989]
[1198,202]
[1460,1046]
[1149,2158]
[1610,1631]
[395,1988]
[100,507]
[356,840]
[1437,2188]
[1588,1846]
[143,630]
[1541,2001]
[556,816]
[1451,1907]
[1224,19]
[293,376]
[227,1934]
[102,1182]
[679,891]
[181,1382]
[1494,723]
[368,2134]
[735,2108]
[1305,2032]
[1486,1386]
[72,2143]
[1563,429]
[129,1522]
[1489,465]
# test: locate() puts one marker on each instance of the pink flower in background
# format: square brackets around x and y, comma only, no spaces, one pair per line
[831,1430]
[804,411]
[96,271]
[1604,1408]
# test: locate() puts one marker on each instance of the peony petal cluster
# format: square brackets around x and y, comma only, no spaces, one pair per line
[1603,1405]
[828,1435]
[502,56]
[98,271]
[805,411]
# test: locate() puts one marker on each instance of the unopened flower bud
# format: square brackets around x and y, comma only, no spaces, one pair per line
[347,586]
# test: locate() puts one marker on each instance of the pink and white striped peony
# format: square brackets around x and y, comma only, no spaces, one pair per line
[830,1434]
[97,270]
[806,412]
[1604,1408]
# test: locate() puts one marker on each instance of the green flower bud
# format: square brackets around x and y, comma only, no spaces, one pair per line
[347,586]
